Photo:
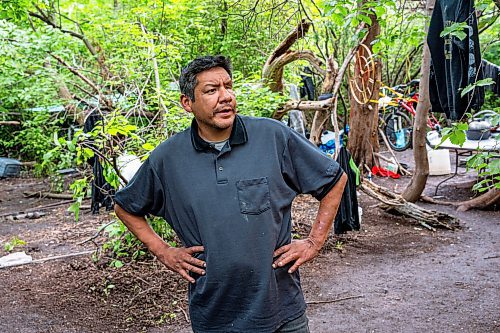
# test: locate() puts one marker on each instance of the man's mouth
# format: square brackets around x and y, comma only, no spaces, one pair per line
[225,111]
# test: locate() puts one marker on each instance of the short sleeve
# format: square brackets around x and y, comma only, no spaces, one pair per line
[306,169]
[144,193]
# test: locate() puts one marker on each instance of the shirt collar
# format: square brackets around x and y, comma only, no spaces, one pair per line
[238,135]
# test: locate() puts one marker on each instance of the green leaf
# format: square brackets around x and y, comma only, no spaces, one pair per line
[365,19]
[148,146]
[480,83]
[88,153]
[56,140]
[379,10]
[456,29]
[8,247]
[459,34]
[75,208]
[458,137]
[462,126]
[117,264]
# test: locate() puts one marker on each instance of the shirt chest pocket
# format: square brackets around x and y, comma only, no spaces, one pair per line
[253,195]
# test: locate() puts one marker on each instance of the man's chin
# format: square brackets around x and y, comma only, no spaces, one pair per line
[224,121]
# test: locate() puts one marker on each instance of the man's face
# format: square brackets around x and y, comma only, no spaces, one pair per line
[215,104]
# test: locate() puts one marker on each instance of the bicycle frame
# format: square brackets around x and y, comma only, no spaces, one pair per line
[432,122]
[408,105]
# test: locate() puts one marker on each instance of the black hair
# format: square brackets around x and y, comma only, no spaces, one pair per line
[188,81]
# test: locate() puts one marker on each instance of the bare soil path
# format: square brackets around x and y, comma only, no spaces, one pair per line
[403,278]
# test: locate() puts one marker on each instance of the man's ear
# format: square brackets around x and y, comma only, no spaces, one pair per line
[186,103]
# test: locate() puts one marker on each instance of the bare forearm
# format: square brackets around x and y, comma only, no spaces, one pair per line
[304,250]
[141,229]
[179,260]
[326,213]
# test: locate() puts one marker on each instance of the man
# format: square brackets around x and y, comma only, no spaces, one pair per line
[226,185]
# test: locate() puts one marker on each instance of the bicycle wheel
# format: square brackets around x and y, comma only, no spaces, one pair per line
[398,130]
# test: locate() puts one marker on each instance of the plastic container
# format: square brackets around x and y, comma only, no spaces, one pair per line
[9,167]
[392,165]
[439,161]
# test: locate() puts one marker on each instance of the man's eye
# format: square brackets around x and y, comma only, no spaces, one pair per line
[210,91]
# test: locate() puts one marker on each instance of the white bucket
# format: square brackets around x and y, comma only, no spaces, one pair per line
[439,161]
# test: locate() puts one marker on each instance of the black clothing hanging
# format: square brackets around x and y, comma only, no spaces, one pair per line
[102,192]
[455,63]
[347,218]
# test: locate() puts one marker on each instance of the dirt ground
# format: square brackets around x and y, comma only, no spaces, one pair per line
[391,276]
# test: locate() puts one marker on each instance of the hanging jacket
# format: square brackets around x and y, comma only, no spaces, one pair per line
[347,218]
[455,63]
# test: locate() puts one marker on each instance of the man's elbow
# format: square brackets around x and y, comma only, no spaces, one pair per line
[341,182]
[121,213]
[118,209]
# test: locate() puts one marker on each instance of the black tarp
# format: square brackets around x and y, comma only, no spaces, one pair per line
[347,218]
[455,63]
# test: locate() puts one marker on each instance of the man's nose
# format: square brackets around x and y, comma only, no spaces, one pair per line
[225,94]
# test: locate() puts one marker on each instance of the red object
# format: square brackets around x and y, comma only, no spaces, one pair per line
[378,171]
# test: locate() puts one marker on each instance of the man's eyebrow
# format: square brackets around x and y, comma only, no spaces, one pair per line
[216,83]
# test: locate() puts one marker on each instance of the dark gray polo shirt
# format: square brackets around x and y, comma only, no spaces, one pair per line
[237,204]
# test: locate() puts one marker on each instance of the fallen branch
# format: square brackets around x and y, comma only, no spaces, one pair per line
[388,160]
[49,195]
[491,257]
[335,300]
[96,234]
[185,315]
[28,164]
[402,170]
[40,208]
[10,122]
[425,198]
[41,261]
[396,204]
[485,200]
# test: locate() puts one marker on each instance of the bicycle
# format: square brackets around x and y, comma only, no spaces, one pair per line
[399,113]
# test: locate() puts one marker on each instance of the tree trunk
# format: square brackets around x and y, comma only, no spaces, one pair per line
[492,197]
[417,184]
[272,72]
[363,122]
[321,117]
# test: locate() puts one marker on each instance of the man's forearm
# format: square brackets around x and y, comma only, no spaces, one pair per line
[179,260]
[141,229]
[326,213]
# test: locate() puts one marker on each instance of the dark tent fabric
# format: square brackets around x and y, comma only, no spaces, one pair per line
[347,218]
[102,192]
[492,71]
[455,63]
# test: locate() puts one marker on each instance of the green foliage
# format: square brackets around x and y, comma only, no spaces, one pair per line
[257,100]
[123,245]
[487,164]
[456,133]
[478,83]
[491,101]
[456,29]
[128,36]
[81,189]
[13,243]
